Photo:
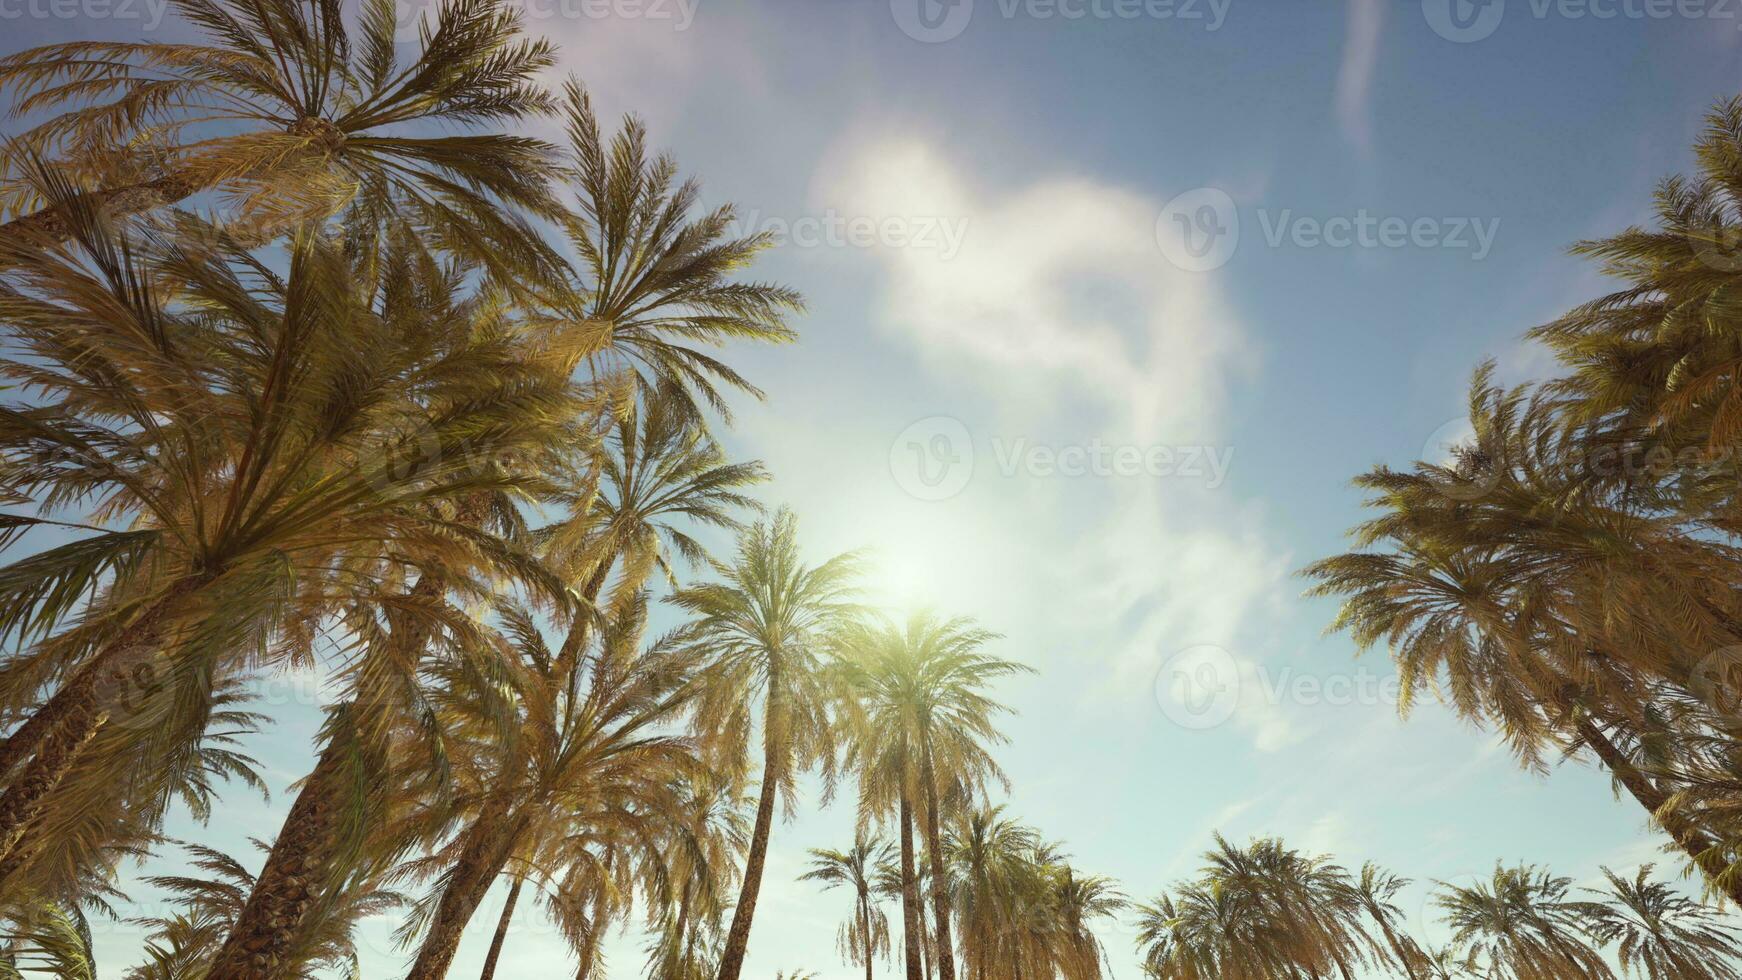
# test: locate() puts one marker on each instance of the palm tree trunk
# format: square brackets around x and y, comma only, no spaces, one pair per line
[909,891]
[1649,796]
[865,930]
[311,837]
[501,936]
[940,892]
[489,840]
[738,937]
[293,878]
[54,735]
[50,226]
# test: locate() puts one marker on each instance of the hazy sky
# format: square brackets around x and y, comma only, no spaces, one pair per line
[1108,301]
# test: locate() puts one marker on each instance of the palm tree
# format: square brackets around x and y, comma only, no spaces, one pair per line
[1077,902]
[1259,911]
[703,850]
[1560,616]
[1376,890]
[1520,925]
[1660,934]
[865,934]
[597,769]
[921,725]
[763,628]
[986,854]
[182,943]
[261,486]
[276,114]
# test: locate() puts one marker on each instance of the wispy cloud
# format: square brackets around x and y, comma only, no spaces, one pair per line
[1355,74]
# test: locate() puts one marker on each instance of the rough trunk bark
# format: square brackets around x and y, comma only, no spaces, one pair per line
[50,226]
[1649,796]
[309,840]
[738,937]
[52,738]
[488,843]
[909,892]
[496,941]
[940,892]
[292,879]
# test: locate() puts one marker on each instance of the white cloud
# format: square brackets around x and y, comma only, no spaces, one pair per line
[1061,311]
[1355,74]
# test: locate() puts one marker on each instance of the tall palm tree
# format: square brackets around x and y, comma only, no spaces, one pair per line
[986,854]
[290,116]
[921,723]
[1662,935]
[703,852]
[865,934]
[1520,925]
[251,449]
[1559,615]
[763,627]
[601,766]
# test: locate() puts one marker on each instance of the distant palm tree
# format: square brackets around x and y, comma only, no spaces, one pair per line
[1520,925]
[704,847]
[920,726]
[865,934]
[277,114]
[763,628]
[1376,890]
[1660,934]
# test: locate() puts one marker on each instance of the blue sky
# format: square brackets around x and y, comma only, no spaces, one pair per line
[1027,392]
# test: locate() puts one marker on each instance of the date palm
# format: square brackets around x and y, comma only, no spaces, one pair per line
[920,727]
[764,627]
[290,114]
[703,852]
[1520,925]
[599,764]
[224,416]
[1659,934]
[1375,890]
[46,937]
[865,934]
[986,853]
[1533,603]
[182,943]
